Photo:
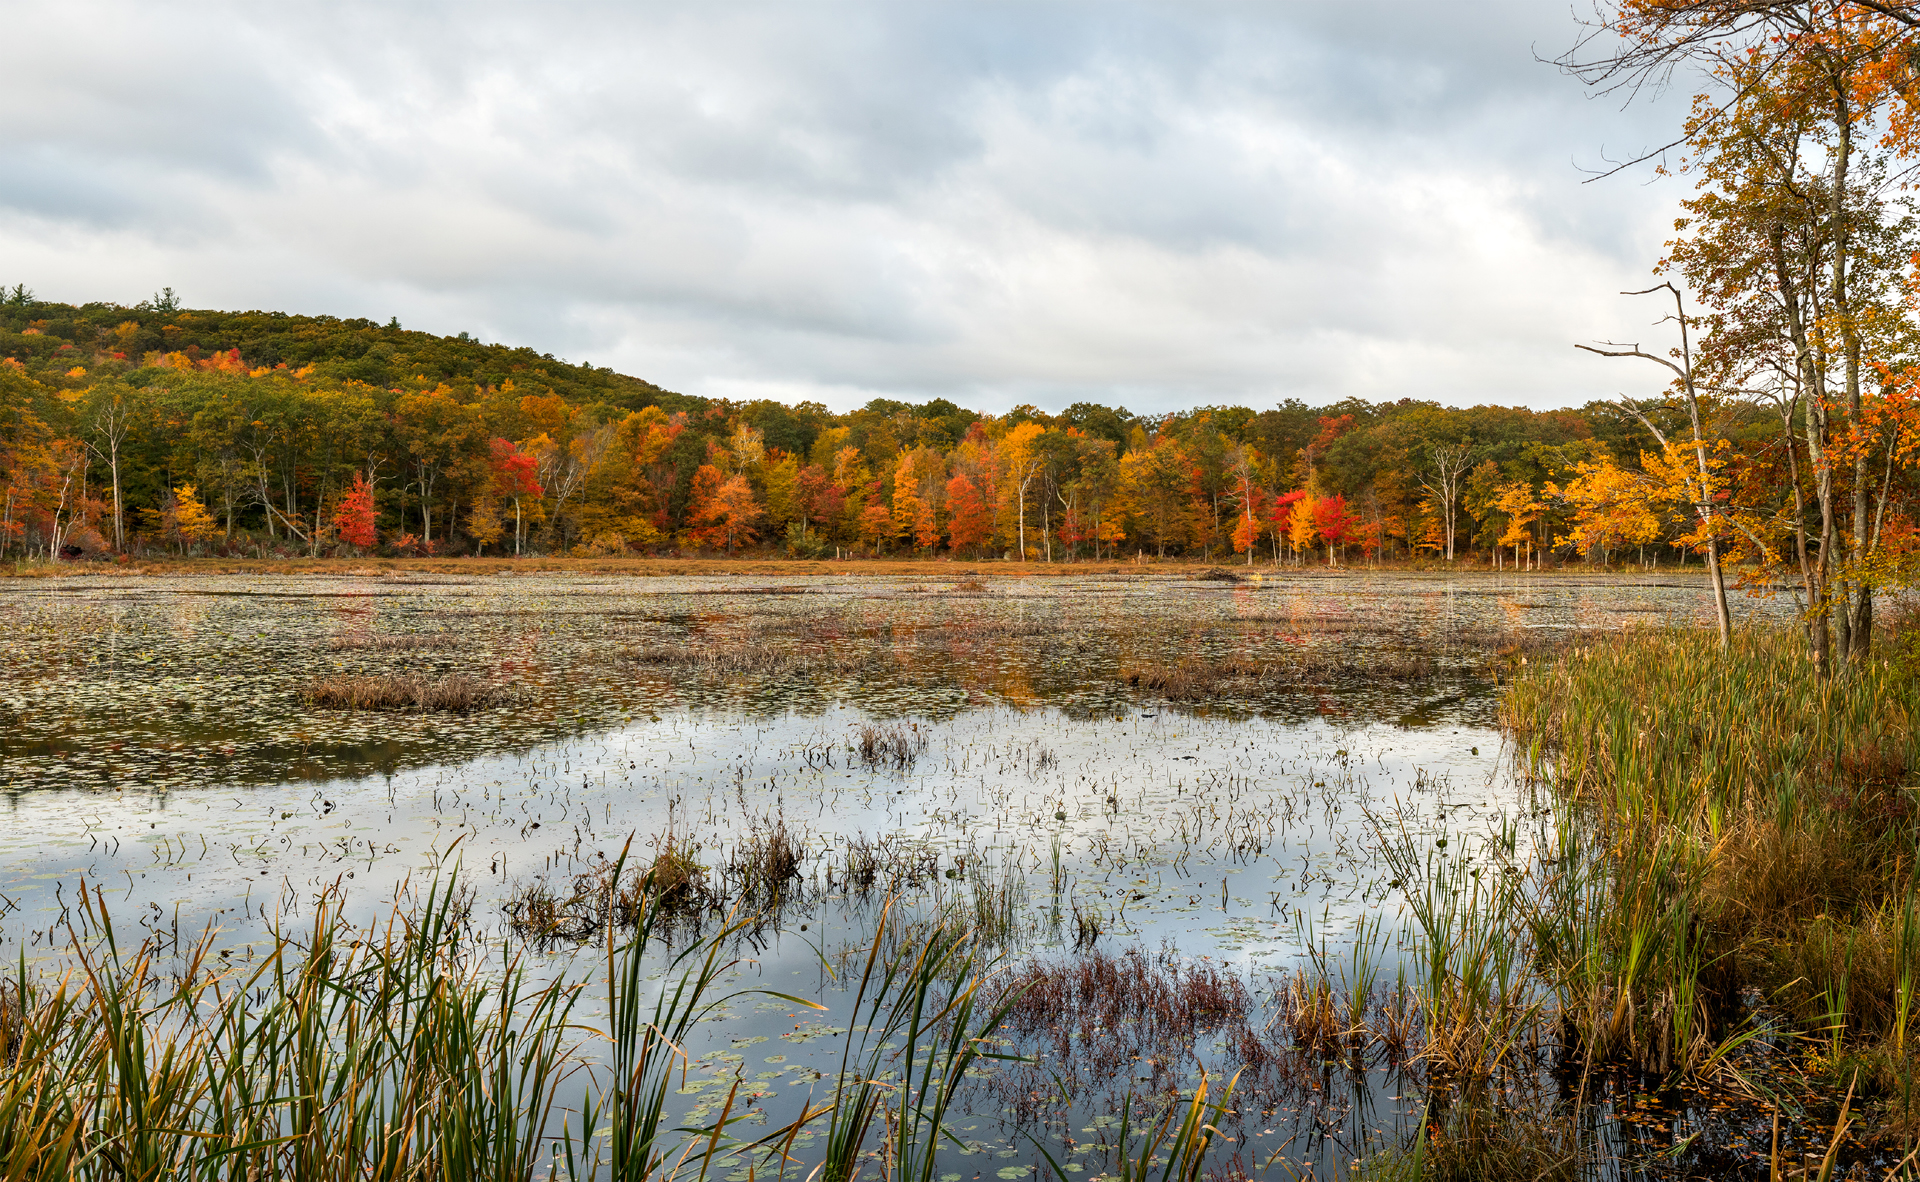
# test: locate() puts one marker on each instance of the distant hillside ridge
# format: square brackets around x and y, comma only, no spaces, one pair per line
[46,336]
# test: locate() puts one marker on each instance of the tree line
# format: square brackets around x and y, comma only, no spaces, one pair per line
[265,433]
[162,428]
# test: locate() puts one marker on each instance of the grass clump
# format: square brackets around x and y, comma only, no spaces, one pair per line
[612,896]
[453,694]
[760,870]
[1740,831]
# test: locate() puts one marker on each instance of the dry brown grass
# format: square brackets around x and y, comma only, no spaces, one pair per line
[453,694]
[761,867]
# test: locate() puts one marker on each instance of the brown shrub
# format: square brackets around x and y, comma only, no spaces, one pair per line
[454,694]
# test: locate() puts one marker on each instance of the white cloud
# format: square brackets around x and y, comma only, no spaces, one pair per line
[1160,206]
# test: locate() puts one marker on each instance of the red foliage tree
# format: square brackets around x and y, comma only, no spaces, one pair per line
[723,511]
[969,515]
[1334,524]
[353,517]
[514,476]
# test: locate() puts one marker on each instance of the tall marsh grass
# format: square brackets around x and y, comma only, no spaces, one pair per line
[384,1052]
[342,1053]
[1738,830]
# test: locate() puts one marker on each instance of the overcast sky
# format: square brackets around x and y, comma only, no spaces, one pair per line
[1160,206]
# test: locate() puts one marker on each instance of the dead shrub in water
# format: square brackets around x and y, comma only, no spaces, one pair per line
[890,746]
[759,869]
[612,894]
[454,694]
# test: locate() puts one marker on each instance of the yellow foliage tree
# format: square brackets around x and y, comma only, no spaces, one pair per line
[189,520]
[1521,509]
[1301,530]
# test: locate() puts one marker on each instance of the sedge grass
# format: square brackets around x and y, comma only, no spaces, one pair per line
[384,1052]
[1735,826]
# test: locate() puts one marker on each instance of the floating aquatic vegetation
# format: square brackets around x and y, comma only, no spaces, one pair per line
[1199,679]
[391,642]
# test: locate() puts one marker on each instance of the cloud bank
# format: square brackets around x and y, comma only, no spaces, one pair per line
[1158,206]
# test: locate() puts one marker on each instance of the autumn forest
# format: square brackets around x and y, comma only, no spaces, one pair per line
[158,428]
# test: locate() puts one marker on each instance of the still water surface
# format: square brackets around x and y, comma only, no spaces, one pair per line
[158,749]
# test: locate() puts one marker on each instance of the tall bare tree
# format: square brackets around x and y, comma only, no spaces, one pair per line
[110,427]
[1703,492]
[1451,462]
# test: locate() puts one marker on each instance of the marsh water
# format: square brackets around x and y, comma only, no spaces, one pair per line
[1037,760]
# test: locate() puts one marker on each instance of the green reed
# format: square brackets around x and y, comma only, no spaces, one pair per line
[385,1052]
[1731,820]
[341,1053]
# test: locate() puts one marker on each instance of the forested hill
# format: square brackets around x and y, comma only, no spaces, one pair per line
[124,429]
[124,340]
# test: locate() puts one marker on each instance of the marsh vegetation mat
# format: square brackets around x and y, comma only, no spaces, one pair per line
[1142,790]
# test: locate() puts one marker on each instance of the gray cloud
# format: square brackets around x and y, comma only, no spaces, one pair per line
[1160,205]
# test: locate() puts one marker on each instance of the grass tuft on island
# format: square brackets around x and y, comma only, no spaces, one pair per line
[453,694]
